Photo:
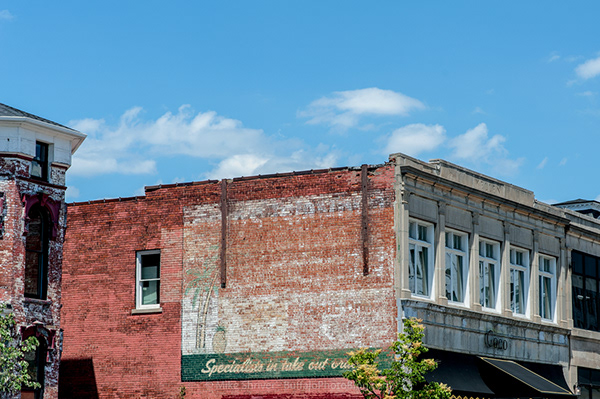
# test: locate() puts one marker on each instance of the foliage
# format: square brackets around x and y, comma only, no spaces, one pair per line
[405,378]
[13,367]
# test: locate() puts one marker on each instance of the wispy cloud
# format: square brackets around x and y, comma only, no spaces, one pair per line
[343,109]
[563,162]
[134,144]
[589,69]
[415,139]
[478,110]
[587,93]
[553,57]
[6,15]
[542,164]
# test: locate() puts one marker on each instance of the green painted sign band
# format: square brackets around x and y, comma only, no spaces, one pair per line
[264,365]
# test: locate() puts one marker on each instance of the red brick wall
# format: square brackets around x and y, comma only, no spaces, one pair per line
[294,282]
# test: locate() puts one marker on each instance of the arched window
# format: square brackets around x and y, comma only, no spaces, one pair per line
[36,254]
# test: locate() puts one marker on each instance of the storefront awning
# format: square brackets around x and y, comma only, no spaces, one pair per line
[485,377]
[511,379]
[460,372]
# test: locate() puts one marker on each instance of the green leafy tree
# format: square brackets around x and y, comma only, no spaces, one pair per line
[13,367]
[405,377]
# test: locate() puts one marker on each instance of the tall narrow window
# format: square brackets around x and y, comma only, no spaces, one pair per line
[586,283]
[148,279]
[519,280]
[36,254]
[420,242]
[456,261]
[39,164]
[36,364]
[489,273]
[547,287]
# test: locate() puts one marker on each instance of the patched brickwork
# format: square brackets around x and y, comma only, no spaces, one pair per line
[294,282]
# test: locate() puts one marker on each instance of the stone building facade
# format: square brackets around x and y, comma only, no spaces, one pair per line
[486,267]
[35,153]
[257,287]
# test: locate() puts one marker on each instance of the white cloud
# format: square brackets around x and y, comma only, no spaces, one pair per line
[343,109]
[129,147]
[542,164]
[238,165]
[251,165]
[478,110]
[562,162]
[477,147]
[5,14]
[415,139]
[588,69]
[134,144]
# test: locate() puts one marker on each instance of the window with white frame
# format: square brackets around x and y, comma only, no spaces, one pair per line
[148,279]
[519,280]
[420,268]
[547,286]
[456,263]
[489,273]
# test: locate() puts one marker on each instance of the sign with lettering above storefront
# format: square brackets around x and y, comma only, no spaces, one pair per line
[496,341]
[267,365]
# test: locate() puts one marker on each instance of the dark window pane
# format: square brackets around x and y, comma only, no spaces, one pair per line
[151,260]
[39,164]
[584,375]
[590,266]
[32,270]
[595,376]
[577,262]
[591,302]
[578,301]
[36,255]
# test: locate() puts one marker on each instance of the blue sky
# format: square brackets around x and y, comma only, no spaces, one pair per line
[185,91]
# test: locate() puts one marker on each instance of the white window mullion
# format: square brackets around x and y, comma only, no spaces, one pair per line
[456,261]
[420,268]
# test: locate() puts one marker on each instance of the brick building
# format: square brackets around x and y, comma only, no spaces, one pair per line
[257,287]
[252,285]
[35,153]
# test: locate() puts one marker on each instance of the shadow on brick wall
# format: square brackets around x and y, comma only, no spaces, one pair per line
[77,379]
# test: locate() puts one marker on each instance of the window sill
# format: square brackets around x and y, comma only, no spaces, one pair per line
[146,311]
[36,301]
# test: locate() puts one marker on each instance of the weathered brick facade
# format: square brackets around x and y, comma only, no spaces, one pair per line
[275,271]
[31,248]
